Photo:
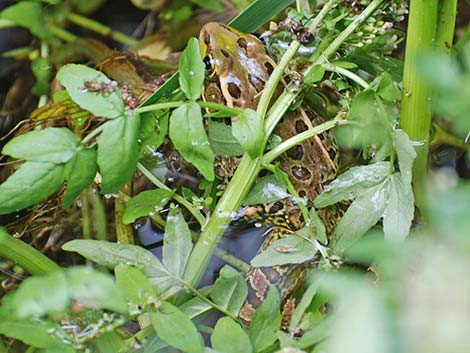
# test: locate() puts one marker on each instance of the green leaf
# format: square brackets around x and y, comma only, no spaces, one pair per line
[315,74]
[153,129]
[176,329]
[356,180]
[37,333]
[249,132]
[92,90]
[189,137]
[290,249]
[95,289]
[405,153]
[79,173]
[361,215]
[399,211]
[267,189]
[301,307]
[266,321]
[230,290]
[192,70]
[134,285]
[30,15]
[195,307]
[54,145]
[222,141]
[118,152]
[213,5]
[30,184]
[387,88]
[177,244]
[145,203]
[42,70]
[229,337]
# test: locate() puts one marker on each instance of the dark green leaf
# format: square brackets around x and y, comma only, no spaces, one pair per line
[145,203]
[41,334]
[315,74]
[189,137]
[153,131]
[134,285]
[176,329]
[303,305]
[79,173]
[267,190]
[399,211]
[213,5]
[290,249]
[95,289]
[31,183]
[405,153]
[361,215]
[192,70]
[177,244]
[266,321]
[118,152]
[30,15]
[249,132]
[222,141]
[54,145]
[40,295]
[42,70]
[356,180]
[92,90]
[229,337]
[230,290]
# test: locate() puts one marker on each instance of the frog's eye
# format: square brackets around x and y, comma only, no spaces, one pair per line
[207,62]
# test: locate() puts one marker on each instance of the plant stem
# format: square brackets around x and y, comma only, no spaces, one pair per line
[25,255]
[220,107]
[101,29]
[63,34]
[415,116]
[351,75]
[446,24]
[158,106]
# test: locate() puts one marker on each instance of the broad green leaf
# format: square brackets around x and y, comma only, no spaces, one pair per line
[95,289]
[79,173]
[189,137]
[230,290]
[192,70]
[355,181]
[42,70]
[145,203]
[315,74]
[399,211]
[134,285]
[266,321]
[37,333]
[267,190]
[177,243]
[361,215]
[54,145]
[109,342]
[30,184]
[222,141]
[40,295]
[387,89]
[111,254]
[176,329]
[118,152]
[153,129]
[30,15]
[405,153]
[249,132]
[291,249]
[301,307]
[195,307]
[92,90]
[229,337]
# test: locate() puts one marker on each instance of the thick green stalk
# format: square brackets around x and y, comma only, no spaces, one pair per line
[446,24]
[415,116]
[25,255]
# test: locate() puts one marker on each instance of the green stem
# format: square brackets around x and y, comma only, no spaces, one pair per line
[415,116]
[25,255]
[220,107]
[101,29]
[351,75]
[446,24]
[158,106]
[63,34]
[181,200]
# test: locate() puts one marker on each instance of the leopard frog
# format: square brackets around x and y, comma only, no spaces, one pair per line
[237,70]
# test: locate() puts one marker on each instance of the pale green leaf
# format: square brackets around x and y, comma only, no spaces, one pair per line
[37,333]
[192,70]
[30,184]
[267,189]
[28,14]
[118,152]
[405,153]
[145,203]
[222,141]
[229,337]
[189,137]
[229,290]
[135,287]
[248,129]
[92,90]
[54,145]
[176,329]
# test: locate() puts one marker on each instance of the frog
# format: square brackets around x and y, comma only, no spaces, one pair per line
[237,69]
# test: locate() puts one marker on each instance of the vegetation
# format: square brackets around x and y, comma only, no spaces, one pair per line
[392,276]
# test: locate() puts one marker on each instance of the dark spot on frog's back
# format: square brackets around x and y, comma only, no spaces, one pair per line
[242,44]
[207,38]
[296,152]
[269,67]
[225,53]
[256,82]
[300,126]
[234,90]
[301,173]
